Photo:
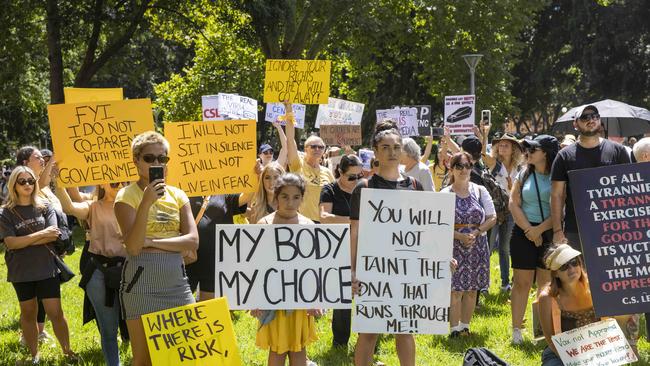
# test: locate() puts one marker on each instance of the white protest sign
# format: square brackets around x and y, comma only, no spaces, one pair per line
[406,119]
[403,262]
[459,114]
[600,343]
[274,110]
[210,108]
[233,106]
[339,112]
[283,266]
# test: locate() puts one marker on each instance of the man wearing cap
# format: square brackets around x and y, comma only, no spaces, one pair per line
[590,151]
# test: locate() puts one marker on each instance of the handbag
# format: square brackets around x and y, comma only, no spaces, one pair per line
[191,256]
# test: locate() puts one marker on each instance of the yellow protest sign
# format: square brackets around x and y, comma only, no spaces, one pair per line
[83,95]
[92,141]
[298,81]
[195,334]
[212,157]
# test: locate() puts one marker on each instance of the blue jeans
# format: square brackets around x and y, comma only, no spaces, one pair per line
[549,358]
[504,231]
[107,317]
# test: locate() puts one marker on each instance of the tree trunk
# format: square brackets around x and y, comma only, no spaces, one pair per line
[54,52]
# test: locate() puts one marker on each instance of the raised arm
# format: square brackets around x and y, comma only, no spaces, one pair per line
[451,144]
[484,131]
[79,210]
[292,147]
[282,155]
[427,149]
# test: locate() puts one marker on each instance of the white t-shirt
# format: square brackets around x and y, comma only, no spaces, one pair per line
[422,174]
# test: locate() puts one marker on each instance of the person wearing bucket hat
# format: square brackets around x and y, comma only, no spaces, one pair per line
[531,235]
[590,151]
[504,163]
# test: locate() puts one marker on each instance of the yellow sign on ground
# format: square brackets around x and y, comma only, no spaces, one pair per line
[92,141]
[212,157]
[196,334]
[83,95]
[297,81]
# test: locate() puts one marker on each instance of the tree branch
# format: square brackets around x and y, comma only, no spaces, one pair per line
[89,58]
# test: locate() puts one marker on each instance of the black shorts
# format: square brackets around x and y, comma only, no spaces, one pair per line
[44,289]
[523,252]
[201,272]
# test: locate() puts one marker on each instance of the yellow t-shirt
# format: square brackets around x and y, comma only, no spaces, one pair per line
[438,174]
[315,179]
[164,219]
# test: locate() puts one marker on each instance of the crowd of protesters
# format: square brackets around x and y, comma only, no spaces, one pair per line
[149,247]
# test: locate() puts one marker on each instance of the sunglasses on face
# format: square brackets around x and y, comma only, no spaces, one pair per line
[589,116]
[118,184]
[268,152]
[150,158]
[531,150]
[461,166]
[317,147]
[23,181]
[352,178]
[572,263]
[6,174]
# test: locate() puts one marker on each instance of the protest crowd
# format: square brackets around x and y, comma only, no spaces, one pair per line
[153,245]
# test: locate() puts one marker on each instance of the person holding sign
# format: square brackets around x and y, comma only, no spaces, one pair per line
[530,206]
[103,271]
[315,175]
[387,147]
[157,226]
[286,332]
[28,229]
[475,215]
[335,209]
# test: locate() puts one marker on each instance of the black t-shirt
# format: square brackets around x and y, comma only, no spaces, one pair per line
[574,157]
[377,182]
[339,199]
[34,262]
[220,210]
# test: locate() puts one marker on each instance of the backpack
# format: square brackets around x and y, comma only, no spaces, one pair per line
[500,196]
[482,357]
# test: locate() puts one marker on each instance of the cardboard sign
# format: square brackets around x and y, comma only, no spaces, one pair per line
[195,334]
[406,119]
[403,262]
[459,114]
[212,157]
[339,112]
[612,206]
[297,81]
[210,108]
[284,266]
[600,343]
[92,140]
[423,117]
[84,95]
[366,156]
[275,110]
[341,135]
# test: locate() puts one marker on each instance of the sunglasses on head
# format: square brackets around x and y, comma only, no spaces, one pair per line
[352,178]
[589,116]
[461,166]
[118,184]
[575,262]
[23,181]
[317,147]
[150,158]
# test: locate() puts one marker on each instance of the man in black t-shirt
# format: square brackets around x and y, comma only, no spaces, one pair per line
[590,151]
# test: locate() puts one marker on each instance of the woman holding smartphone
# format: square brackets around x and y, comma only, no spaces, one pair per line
[157,226]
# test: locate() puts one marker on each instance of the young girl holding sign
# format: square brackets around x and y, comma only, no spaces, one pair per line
[286,332]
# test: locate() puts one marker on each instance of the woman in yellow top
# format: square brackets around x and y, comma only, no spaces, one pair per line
[286,332]
[157,225]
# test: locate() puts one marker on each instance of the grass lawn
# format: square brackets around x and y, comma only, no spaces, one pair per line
[490,327]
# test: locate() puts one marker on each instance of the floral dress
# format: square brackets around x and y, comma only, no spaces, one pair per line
[473,272]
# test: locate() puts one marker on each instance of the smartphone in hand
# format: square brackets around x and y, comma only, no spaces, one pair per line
[156,172]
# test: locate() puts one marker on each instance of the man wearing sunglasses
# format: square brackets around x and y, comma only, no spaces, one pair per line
[590,151]
[308,166]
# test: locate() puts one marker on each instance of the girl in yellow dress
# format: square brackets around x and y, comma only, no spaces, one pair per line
[286,332]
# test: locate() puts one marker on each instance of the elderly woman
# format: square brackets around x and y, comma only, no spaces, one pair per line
[157,226]
[413,166]
[475,215]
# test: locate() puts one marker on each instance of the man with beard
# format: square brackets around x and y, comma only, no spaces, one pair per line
[590,151]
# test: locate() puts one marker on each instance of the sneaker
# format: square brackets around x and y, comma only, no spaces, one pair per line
[45,337]
[454,334]
[465,332]
[311,363]
[517,337]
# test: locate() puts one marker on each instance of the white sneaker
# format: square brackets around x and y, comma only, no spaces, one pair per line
[311,363]
[517,337]
[44,336]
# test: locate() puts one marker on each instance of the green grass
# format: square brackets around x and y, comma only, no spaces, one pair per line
[490,327]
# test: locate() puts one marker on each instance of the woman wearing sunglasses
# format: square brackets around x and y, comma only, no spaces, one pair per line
[475,215]
[28,228]
[157,225]
[335,209]
[102,272]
